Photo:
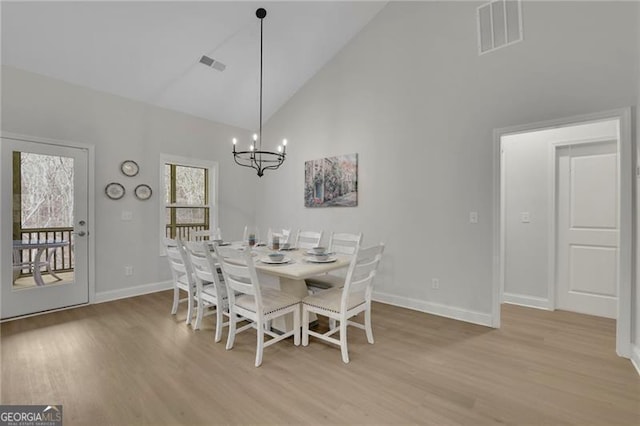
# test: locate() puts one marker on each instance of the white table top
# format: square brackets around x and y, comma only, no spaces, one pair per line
[299,268]
[19,244]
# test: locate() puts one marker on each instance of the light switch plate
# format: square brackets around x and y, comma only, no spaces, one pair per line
[525,217]
[473,217]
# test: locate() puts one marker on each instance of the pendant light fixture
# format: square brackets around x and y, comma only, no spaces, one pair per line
[256,157]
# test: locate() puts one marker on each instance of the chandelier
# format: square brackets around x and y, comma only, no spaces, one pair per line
[256,157]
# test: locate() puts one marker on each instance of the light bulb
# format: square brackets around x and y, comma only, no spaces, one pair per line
[255,137]
[279,148]
[284,142]
[235,141]
[251,148]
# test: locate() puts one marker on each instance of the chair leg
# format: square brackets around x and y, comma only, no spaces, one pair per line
[343,341]
[260,343]
[296,326]
[190,301]
[199,315]
[367,325]
[176,299]
[232,330]
[305,326]
[332,323]
[219,321]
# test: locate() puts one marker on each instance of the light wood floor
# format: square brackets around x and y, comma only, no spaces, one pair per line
[130,362]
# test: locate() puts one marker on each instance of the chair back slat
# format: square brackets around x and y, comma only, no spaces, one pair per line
[342,243]
[308,239]
[238,270]
[206,234]
[286,236]
[175,260]
[205,267]
[362,270]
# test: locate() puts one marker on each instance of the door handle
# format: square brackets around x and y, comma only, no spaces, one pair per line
[80,234]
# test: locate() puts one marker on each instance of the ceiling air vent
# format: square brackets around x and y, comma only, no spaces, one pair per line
[210,62]
[499,24]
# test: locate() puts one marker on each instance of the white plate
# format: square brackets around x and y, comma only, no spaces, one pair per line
[275,262]
[312,253]
[327,260]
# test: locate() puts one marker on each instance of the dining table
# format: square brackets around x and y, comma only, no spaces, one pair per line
[42,248]
[289,275]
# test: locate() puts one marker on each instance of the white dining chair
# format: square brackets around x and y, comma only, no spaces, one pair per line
[182,277]
[339,243]
[206,234]
[344,243]
[289,236]
[249,301]
[308,239]
[341,304]
[211,291]
[283,235]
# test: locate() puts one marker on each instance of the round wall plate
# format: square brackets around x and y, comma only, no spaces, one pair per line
[129,168]
[143,192]
[114,190]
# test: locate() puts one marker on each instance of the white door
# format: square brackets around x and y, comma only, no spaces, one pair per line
[44,230]
[587,209]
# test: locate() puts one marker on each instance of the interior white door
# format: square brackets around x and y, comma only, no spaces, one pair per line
[587,238]
[44,230]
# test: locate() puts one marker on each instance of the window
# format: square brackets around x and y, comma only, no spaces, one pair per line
[189,203]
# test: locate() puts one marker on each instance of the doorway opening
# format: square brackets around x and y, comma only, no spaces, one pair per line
[564,215]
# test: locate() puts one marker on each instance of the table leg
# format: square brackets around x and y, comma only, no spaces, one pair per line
[296,288]
[37,275]
[50,254]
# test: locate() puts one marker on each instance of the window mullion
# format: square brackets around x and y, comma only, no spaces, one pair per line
[172,200]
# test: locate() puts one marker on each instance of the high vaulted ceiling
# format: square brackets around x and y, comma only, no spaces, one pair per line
[150,51]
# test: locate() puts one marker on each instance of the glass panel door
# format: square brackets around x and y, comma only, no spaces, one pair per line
[44,240]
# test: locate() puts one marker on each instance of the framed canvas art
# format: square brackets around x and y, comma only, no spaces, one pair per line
[331,182]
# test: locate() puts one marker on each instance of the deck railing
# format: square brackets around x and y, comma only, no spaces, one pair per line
[184,232]
[61,257]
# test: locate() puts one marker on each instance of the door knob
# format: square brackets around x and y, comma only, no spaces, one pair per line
[80,234]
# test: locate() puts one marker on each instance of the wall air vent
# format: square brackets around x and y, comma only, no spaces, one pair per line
[499,24]
[210,62]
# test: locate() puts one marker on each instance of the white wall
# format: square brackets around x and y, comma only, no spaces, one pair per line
[526,189]
[412,97]
[122,129]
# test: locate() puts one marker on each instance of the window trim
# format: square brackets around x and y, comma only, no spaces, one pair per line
[211,185]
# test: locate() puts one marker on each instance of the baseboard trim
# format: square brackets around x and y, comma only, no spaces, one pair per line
[139,290]
[528,301]
[635,357]
[474,317]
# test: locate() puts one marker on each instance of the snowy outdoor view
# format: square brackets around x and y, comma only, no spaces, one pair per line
[43,197]
[47,191]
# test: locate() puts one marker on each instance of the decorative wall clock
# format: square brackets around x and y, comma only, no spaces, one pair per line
[143,192]
[114,190]
[129,168]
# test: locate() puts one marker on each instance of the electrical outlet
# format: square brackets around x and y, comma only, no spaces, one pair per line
[525,217]
[128,270]
[473,217]
[127,215]
[435,283]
